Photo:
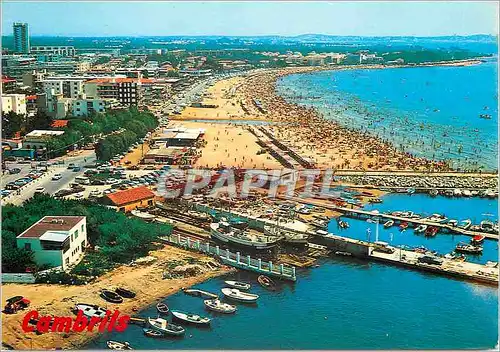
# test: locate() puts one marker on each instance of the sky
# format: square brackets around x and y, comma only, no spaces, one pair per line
[120,18]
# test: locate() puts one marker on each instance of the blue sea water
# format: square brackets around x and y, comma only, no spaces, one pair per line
[432,112]
[348,303]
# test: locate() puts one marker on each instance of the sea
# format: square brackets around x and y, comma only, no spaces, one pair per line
[433,112]
[348,303]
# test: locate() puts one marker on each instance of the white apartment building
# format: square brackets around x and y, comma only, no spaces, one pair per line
[68,87]
[58,241]
[14,102]
[84,106]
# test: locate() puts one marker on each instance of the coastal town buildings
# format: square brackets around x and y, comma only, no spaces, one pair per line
[14,102]
[56,241]
[8,85]
[130,199]
[21,38]
[54,50]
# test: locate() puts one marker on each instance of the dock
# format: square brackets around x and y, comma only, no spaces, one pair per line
[234,260]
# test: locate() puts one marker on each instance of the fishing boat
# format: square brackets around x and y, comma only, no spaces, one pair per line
[289,237]
[478,239]
[190,318]
[152,333]
[421,228]
[142,215]
[488,226]
[111,296]
[124,292]
[266,282]
[165,327]
[468,248]
[162,308]
[238,284]
[90,310]
[237,295]
[389,223]
[343,224]
[219,307]
[403,226]
[437,218]
[433,192]
[465,224]
[224,232]
[453,223]
[319,223]
[431,231]
[199,293]
[375,200]
[118,346]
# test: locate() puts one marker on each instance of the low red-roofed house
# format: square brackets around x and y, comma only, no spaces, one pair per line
[131,199]
[59,123]
[56,240]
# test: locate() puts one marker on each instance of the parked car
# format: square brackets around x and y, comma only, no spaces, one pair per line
[56,177]
[14,170]
[39,190]
[77,169]
[70,166]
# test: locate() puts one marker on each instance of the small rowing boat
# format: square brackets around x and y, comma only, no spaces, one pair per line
[118,346]
[190,318]
[266,282]
[465,224]
[431,231]
[165,327]
[478,239]
[468,248]
[124,292]
[403,226]
[219,307]
[162,308]
[237,295]
[111,296]
[389,223]
[238,284]
[420,228]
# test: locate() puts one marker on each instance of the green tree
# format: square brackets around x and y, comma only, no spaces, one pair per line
[11,123]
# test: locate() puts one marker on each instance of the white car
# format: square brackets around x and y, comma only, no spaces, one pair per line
[78,196]
[56,177]
[95,193]
[39,190]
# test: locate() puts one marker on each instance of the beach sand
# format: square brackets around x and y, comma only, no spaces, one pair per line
[57,300]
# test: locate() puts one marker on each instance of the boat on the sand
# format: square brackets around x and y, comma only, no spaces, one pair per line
[90,310]
[111,296]
[190,318]
[238,284]
[219,307]
[124,292]
[162,325]
[237,295]
[118,346]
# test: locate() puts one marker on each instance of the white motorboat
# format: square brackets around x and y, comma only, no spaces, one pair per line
[90,310]
[118,346]
[238,284]
[453,223]
[465,224]
[165,327]
[389,223]
[237,295]
[420,228]
[224,232]
[219,307]
[190,318]
[437,218]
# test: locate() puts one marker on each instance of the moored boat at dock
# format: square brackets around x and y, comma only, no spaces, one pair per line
[465,224]
[420,228]
[478,239]
[118,346]
[238,284]
[199,293]
[165,327]
[468,248]
[190,318]
[388,223]
[224,232]
[290,237]
[237,295]
[431,231]
[219,307]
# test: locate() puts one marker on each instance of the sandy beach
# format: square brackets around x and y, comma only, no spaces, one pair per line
[146,280]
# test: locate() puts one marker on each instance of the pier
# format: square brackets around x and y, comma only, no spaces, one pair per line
[235,260]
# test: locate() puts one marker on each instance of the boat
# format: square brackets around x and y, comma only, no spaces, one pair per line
[290,237]
[457,192]
[403,226]
[437,218]
[162,325]
[410,191]
[478,239]
[90,310]
[453,223]
[190,318]
[199,293]
[266,282]
[485,116]
[111,296]
[433,192]
[321,224]
[389,223]
[468,248]
[375,200]
[237,295]
[238,284]
[118,346]
[219,307]
[152,333]
[431,231]
[421,228]
[162,308]
[142,215]
[224,232]
[343,224]
[466,193]
[488,226]
[346,254]
[465,224]
[124,292]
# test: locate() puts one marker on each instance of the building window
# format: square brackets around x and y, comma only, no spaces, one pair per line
[67,261]
[27,246]
[83,228]
[71,238]
[76,234]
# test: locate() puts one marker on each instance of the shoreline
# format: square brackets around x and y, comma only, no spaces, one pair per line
[57,300]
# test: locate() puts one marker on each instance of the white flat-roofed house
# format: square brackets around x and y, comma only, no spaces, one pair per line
[37,139]
[58,241]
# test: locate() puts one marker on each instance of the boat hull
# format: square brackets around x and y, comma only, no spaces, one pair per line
[215,235]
